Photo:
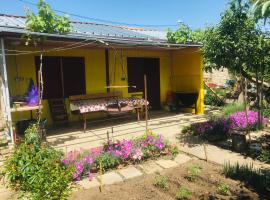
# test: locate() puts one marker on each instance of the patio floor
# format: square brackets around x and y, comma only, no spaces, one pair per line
[162,122]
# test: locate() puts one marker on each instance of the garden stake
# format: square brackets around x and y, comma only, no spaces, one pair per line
[108,138]
[112,134]
[205,152]
[100,171]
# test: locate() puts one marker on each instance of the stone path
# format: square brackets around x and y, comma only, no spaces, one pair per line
[133,171]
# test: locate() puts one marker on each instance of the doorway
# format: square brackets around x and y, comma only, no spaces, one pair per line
[137,68]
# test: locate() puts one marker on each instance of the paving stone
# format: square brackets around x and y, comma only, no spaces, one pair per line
[167,163]
[182,158]
[150,168]
[110,178]
[130,172]
[86,184]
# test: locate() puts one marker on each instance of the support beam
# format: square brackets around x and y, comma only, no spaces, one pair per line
[107,69]
[3,68]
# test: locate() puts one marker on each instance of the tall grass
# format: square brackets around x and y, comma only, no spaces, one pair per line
[256,178]
[232,108]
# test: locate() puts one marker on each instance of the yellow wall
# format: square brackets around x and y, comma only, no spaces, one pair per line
[187,73]
[182,63]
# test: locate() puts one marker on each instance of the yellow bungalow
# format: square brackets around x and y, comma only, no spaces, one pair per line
[94,59]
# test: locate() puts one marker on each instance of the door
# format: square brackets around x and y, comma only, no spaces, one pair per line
[137,68]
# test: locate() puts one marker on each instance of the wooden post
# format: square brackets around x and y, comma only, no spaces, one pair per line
[3,70]
[112,134]
[205,152]
[145,103]
[108,138]
[100,171]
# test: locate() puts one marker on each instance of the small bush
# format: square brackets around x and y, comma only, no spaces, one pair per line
[193,172]
[183,193]
[162,182]
[264,156]
[212,100]
[36,169]
[232,108]
[212,130]
[223,189]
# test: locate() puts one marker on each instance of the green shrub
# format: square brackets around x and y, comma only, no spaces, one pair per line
[264,156]
[232,108]
[162,182]
[256,178]
[193,172]
[183,193]
[266,112]
[223,189]
[107,160]
[212,100]
[36,169]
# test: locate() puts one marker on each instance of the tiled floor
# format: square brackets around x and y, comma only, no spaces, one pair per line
[72,137]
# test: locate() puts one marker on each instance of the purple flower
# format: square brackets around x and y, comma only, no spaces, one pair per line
[88,159]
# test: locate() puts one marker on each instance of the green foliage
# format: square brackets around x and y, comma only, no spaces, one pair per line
[223,189]
[264,156]
[161,182]
[36,169]
[232,108]
[184,34]
[45,22]
[256,178]
[262,9]
[107,160]
[183,193]
[212,100]
[194,172]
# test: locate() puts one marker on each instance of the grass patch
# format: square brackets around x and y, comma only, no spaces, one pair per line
[161,182]
[232,108]
[183,193]
[223,189]
[256,178]
[194,172]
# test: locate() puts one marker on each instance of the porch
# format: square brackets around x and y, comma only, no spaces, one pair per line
[72,136]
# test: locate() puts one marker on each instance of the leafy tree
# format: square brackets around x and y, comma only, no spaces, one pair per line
[184,34]
[237,43]
[261,9]
[45,22]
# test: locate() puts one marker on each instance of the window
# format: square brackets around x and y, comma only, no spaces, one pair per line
[62,76]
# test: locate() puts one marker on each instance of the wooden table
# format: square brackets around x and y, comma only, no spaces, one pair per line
[25,108]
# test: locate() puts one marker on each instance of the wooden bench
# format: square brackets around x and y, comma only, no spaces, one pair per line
[110,103]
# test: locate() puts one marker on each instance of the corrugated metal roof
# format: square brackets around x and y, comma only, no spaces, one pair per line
[11,22]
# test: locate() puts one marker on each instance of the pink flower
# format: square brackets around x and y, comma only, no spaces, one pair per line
[137,154]
[90,176]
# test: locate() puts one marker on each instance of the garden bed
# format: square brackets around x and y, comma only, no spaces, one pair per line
[208,184]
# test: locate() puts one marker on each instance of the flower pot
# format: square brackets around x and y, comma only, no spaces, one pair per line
[239,141]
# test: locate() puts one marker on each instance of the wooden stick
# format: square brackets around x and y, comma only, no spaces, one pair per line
[100,171]
[145,104]
[112,134]
[205,152]
[108,137]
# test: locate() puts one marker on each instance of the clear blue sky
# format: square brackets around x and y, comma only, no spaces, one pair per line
[195,13]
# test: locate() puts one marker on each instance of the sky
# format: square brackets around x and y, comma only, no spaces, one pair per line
[195,13]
